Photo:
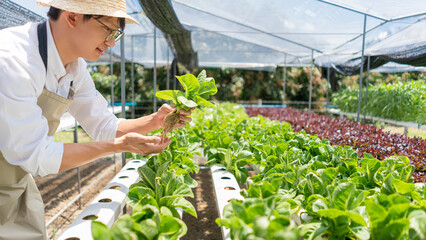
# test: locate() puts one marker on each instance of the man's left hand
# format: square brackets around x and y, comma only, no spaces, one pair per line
[165,109]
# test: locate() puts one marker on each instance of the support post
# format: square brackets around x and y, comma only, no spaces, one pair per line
[168,70]
[328,90]
[174,73]
[78,168]
[361,69]
[112,79]
[111,72]
[310,82]
[123,99]
[284,78]
[366,87]
[155,69]
[133,79]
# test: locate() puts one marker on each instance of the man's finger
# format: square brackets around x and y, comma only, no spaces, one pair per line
[185,119]
[151,139]
[183,112]
[159,147]
[168,107]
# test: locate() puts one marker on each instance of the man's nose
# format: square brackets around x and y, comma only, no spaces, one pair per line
[110,43]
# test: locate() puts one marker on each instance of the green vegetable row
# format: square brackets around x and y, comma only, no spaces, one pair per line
[306,187]
[165,182]
[401,101]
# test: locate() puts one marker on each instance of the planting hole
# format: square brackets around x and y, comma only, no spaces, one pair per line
[225,178]
[124,177]
[136,161]
[90,217]
[130,168]
[115,187]
[221,169]
[73,238]
[105,200]
[229,188]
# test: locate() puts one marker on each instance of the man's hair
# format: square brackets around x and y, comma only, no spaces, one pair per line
[55,12]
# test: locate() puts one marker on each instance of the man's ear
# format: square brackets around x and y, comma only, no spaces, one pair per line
[72,19]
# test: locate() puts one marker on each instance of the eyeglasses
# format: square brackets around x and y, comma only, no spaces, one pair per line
[114,34]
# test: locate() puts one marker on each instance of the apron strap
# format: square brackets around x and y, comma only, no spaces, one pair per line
[42,42]
[42,48]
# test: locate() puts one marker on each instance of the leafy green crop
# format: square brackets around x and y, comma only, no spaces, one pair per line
[165,182]
[394,217]
[197,91]
[304,186]
[161,188]
[399,101]
[259,219]
[147,223]
[328,189]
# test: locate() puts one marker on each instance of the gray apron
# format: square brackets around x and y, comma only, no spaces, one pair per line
[21,205]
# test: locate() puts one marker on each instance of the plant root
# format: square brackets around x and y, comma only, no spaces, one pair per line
[169,123]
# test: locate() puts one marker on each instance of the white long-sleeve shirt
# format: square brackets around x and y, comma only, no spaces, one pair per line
[23,128]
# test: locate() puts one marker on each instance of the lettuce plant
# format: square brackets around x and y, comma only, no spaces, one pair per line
[147,223]
[197,91]
[161,188]
[259,219]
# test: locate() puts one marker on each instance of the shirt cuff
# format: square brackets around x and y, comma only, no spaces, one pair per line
[110,130]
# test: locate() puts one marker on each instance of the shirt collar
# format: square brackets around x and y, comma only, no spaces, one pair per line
[54,61]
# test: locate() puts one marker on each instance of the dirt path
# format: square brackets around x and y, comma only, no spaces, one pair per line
[203,227]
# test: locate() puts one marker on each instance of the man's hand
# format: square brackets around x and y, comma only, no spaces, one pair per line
[165,109]
[142,145]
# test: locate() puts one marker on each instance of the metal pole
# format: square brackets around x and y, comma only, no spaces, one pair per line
[168,71]
[112,79]
[123,99]
[328,90]
[366,87]
[78,168]
[133,81]
[174,73]
[155,69]
[310,82]
[123,81]
[361,69]
[284,79]
[112,88]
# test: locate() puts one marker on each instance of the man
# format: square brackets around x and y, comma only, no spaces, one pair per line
[43,74]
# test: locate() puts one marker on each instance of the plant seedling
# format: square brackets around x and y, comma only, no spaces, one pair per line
[197,91]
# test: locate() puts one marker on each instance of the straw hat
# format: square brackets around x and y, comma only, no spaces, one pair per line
[111,8]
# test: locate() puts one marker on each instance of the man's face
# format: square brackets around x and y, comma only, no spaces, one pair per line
[91,41]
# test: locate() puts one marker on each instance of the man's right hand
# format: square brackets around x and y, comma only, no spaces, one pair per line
[142,145]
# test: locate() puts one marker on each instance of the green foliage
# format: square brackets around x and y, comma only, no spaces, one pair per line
[164,185]
[196,92]
[393,217]
[148,223]
[259,219]
[161,188]
[401,101]
[328,188]
[235,84]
